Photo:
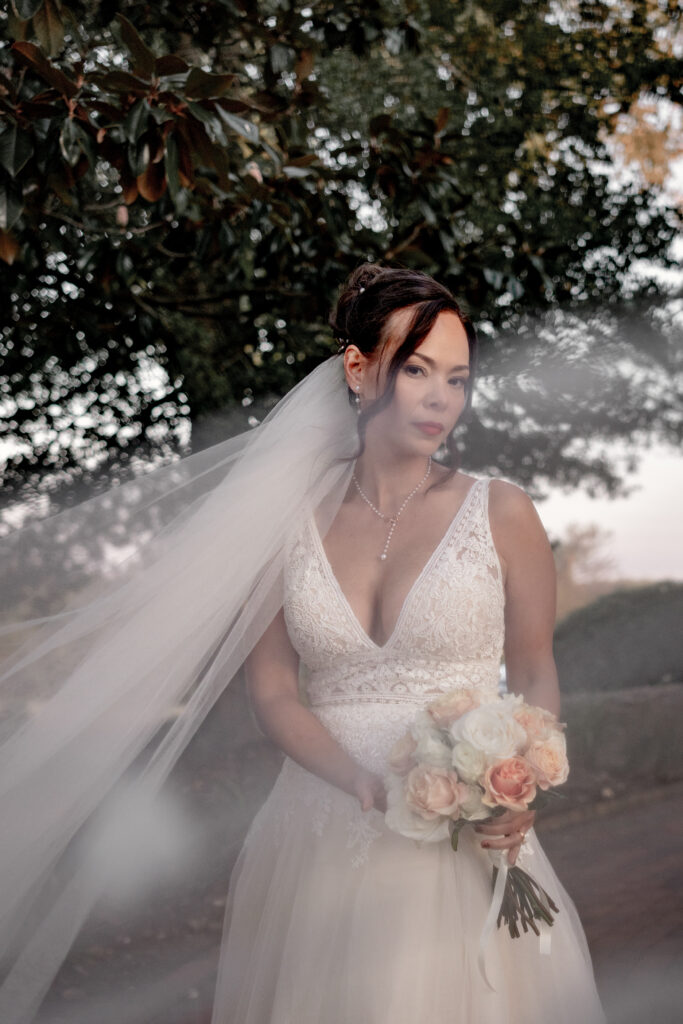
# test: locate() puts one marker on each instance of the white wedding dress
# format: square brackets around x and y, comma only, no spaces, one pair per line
[331,917]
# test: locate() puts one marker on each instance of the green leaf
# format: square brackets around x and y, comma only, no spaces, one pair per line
[458,826]
[16,28]
[121,81]
[160,115]
[171,165]
[273,154]
[202,86]
[26,9]
[11,205]
[239,124]
[144,60]
[139,155]
[211,123]
[73,141]
[49,28]
[16,147]
[135,121]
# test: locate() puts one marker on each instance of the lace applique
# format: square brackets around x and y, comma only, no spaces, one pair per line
[299,799]
[361,835]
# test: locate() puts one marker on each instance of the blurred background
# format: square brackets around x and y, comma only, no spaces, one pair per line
[183,189]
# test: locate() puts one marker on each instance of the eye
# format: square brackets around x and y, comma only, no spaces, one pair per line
[413,366]
[459,381]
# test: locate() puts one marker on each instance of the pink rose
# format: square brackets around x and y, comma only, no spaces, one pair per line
[401,758]
[549,760]
[510,783]
[538,723]
[433,792]
[446,709]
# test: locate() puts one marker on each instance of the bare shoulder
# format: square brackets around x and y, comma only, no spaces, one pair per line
[515,523]
[509,503]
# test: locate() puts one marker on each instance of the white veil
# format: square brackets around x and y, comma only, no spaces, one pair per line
[91,666]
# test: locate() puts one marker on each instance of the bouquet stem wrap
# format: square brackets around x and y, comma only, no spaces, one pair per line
[501,877]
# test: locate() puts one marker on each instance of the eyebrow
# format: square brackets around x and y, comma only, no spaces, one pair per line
[431,362]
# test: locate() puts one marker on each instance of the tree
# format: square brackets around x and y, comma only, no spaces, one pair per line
[181,199]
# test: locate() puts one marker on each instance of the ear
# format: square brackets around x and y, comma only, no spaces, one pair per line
[355,365]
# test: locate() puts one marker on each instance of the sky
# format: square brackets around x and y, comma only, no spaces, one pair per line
[646,526]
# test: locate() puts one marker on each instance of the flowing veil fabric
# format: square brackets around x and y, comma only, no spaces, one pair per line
[93,661]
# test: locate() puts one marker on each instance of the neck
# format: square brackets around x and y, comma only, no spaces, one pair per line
[388,480]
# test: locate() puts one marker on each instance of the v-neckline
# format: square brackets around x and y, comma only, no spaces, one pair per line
[327,566]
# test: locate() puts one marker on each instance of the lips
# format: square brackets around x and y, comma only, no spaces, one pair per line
[430,427]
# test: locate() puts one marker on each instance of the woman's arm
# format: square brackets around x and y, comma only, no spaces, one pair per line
[530,595]
[529,572]
[272,671]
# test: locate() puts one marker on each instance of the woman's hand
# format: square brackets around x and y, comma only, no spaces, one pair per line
[504,832]
[370,790]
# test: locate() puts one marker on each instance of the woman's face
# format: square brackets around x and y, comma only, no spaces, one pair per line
[430,390]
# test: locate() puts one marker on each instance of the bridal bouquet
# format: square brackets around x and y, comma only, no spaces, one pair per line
[466,758]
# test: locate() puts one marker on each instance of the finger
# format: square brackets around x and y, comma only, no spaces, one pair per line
[501,842]
[497,830]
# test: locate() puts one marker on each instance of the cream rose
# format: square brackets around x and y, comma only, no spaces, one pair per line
[510,783]
[399,818]
[548,759]
[402,755]
[538,723]
[468,762]
[491,729]
[432,792]
[446,709]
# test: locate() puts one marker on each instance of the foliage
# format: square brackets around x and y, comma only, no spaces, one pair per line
[183,188]
[627,638]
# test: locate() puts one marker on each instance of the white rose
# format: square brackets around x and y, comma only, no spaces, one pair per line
[432,747]
[469,762]
[472,806]
[491,729]
[401,819]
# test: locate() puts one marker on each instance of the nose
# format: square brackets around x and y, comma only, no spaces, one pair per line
[437,396]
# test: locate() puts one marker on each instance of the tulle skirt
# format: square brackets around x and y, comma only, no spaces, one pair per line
[332,918]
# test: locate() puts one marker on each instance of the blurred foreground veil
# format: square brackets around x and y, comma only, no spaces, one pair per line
[89,669]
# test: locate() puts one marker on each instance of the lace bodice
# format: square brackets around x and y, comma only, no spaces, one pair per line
[449,633]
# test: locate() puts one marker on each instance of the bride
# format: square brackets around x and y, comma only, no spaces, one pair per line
[355,575]
[423,578]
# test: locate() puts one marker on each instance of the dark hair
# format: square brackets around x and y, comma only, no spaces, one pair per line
[369,297]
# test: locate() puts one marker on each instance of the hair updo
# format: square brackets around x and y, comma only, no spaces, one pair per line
[362,317]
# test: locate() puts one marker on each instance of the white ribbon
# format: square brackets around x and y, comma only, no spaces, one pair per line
[499,860]
[496,900]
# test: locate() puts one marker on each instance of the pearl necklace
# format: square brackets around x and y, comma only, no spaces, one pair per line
[392,520]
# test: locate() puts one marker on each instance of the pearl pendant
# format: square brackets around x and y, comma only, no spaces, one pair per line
[383,557]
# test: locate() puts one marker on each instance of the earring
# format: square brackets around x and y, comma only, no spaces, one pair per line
[357,396]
